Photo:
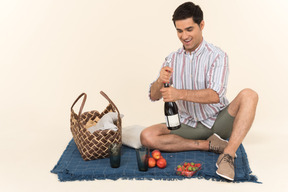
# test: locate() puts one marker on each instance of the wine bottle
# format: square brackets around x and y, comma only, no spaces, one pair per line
[171,114]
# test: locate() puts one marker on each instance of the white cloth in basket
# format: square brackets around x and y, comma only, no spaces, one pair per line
[106,122]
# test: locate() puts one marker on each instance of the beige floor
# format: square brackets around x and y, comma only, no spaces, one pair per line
[51,51]
[27,159]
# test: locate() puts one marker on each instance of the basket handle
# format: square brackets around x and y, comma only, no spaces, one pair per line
[82,105]
[111,102]
[84,100]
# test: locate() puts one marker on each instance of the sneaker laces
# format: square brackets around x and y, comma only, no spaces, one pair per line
[229,160]
[215,149]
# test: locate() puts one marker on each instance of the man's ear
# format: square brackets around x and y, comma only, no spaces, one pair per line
[202,24]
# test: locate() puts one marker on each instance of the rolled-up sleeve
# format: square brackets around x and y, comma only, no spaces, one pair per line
[217,76]
[167,62]
[149,93]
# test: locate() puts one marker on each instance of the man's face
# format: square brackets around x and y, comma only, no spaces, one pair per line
[189,33]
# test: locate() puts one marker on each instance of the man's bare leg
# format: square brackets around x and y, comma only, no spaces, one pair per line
[243,108]
[159,137]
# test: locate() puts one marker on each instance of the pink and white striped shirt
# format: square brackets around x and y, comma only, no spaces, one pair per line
[206,67]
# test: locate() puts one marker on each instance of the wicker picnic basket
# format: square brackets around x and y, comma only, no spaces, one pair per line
[95,145]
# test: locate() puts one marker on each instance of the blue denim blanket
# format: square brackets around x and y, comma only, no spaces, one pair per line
[71,166]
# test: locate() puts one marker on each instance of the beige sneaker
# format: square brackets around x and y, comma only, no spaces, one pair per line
[219,159]
[217,144]
[225,164]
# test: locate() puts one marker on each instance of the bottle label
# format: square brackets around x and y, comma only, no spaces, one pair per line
[172,121]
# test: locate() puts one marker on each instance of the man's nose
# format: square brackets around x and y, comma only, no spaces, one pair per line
[184,35]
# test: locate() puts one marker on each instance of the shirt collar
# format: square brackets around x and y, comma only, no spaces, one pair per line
[197,51]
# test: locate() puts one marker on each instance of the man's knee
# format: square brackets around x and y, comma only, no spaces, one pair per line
[249,94]
[145,137]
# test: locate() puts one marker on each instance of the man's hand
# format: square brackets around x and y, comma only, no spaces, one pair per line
[165,75]
[169,94]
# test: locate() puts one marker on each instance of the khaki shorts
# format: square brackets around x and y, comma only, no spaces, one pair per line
[223,127]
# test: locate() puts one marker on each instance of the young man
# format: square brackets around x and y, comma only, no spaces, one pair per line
[199,73]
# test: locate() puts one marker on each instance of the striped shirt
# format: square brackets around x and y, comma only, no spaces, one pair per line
[204,68]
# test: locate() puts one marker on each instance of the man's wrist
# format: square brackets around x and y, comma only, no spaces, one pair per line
[160,84]
[183,94]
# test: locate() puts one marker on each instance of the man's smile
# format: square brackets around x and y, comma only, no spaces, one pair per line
[187,41]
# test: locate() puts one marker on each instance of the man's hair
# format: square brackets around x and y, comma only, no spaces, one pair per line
[188,10]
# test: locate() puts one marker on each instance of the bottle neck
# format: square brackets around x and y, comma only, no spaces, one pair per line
[166,84]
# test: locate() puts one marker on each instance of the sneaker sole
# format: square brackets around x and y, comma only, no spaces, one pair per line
[222,140]
[224,176]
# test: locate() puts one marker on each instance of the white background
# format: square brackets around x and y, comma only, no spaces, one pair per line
[52,51]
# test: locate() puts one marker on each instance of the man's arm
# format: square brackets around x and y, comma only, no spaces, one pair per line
[155,90]
[158,91]
[204,96]
[165,75]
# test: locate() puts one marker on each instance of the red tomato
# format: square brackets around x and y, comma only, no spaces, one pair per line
[156,154]
[161,163]
[151,162]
